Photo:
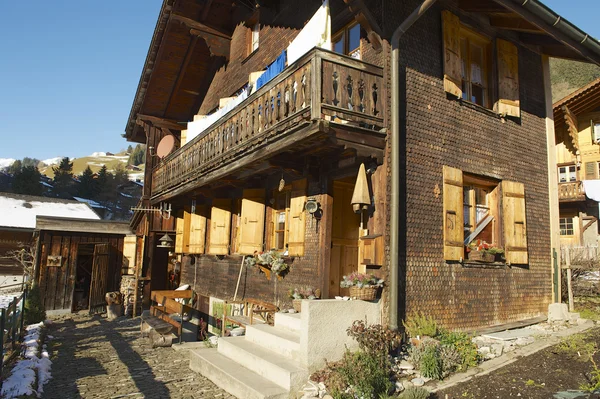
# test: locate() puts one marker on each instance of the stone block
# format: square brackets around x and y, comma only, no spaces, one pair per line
[558,312]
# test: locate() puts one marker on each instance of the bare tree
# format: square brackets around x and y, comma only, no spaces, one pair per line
[24,257]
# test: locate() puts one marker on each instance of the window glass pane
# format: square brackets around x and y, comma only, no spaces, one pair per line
[572,173]
[477,95]
[463,60]
[353,38]
[279,240]
[255,36]
[477,65]
[338,45]
[597,132]
[562,174]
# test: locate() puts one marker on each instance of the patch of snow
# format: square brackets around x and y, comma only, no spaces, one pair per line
[6,162]
[6,299]
[52,161]
[90,202]
[591,276]
[23,376]
[21,213]
[98,154]
[126,195]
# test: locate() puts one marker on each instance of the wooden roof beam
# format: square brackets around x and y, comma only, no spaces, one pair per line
[572,126]
[481,6]
[199,26]
[160,122]
[217,45]
[513,22]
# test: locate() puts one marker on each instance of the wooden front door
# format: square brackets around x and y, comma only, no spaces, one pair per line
[99,283]
[344,237]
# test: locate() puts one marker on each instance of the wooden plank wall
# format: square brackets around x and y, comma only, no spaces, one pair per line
[58,283]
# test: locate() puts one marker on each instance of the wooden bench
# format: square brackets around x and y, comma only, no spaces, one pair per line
[160,321]
[250,311]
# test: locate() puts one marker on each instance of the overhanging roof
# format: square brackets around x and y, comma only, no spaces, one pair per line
[82,226]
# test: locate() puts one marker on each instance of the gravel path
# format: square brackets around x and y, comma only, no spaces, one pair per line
[95,358]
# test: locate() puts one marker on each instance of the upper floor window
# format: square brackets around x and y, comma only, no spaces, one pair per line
[596,132]
[566,226]
[468,60]
[347,40]
[254,38]
[567,174]
[474,67]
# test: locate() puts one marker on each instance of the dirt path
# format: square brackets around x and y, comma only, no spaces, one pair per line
[95,358]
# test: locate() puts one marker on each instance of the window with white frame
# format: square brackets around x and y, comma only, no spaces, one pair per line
[567,173]
[255,37]
[596,132]
[566,226]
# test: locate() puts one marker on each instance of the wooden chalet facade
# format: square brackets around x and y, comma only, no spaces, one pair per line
[474,140]
[577,127]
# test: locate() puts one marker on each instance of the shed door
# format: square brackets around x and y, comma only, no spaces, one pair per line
[99,282]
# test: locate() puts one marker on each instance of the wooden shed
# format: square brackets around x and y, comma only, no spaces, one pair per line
[78,262]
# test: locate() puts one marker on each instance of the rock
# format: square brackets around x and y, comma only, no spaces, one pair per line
[327,397]
[292,311]
[399,387]
[404,365]
[558,312]
[484,350]
[497,349]
[407,384]
[524,341]
[238,332]
[214,340]
[418,382]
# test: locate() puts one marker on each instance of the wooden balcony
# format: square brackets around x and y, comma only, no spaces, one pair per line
[322,100]
[571,191]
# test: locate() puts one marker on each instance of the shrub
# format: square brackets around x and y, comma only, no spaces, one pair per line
[451,359]
[420,325]
[375,339]
[463,345]
[431,363]
[365,374]
[414,393]
[415,353]
[34,310]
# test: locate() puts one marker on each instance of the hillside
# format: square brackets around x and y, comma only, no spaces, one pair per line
[568,76]
[95,162]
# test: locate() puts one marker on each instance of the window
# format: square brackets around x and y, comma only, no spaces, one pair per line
[478,208]
[347,41]
[596,132]
[566,226]
[254,37]
[468,60]
[567,174]
[591,170]
[474,67]
[281,209]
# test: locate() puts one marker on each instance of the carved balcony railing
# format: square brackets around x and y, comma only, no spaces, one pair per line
[571,191]
[320,85]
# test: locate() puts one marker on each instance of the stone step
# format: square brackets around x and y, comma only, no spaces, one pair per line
[232,377]
[281,341]
[289,321]
[280,370]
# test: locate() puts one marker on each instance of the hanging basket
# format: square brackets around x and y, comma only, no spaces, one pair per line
[364,293]
[297,304]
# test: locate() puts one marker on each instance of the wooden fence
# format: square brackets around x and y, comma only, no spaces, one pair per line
[579,259]
[11,326]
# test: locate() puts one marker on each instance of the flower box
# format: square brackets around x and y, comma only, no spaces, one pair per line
[482,256]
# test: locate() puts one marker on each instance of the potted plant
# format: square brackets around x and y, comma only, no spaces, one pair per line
[299,293]
[481,251]
[362,285]
[268,262]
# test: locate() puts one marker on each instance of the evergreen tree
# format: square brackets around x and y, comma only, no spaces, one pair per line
[129,149]
[15,167]
[121,175]
[30,161]
[27,181]
[88,186]
[63,179]
[138,155]
[105,185]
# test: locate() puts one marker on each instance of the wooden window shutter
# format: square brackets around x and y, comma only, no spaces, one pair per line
[508,79]
[220,220]
[514,222]
[590,170]
[197,230]
[179,232]
[452,64]
[297,219]
[252,221]
[453,214]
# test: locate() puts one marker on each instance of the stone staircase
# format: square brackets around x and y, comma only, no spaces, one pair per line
[266,363]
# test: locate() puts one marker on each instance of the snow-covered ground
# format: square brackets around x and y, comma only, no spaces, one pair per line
[52,161]
[7,298]
[35,363]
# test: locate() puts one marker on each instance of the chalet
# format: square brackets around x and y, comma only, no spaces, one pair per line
[259,119]
[577,127]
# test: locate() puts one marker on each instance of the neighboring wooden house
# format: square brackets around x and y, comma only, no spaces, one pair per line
[472,146]
[577,126]
[79,261]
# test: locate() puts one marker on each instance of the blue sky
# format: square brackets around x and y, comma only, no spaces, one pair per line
[69,70]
